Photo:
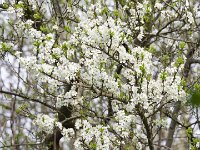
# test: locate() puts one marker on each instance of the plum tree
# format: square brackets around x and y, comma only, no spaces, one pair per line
[105,74]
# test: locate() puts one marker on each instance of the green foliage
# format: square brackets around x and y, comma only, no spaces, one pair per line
[21,108]
[102,64]
[192,140]
[121,95]
[55,56]
[152,50]
[104,11]
[119,84]
[5,6]
[67,28]
[123,36]
[64,46]
[179,61]
[86,2]
[163,75]
[148,77]
[194,98]
[147,18]
[101,130]
[174,4]
[165,59]
[93,145]
[117,13]
[117,76]
[6,48]
[111,33]
[142,56]
[70,3]
[143,70]
[37,16]
[183,83]
[122,2]
[36,43]
[19,5]
[48,38]
[44,29]
[189,132]
[182,45]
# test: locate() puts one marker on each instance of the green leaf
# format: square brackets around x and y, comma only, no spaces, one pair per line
[152,49]
[43,119]
[48,38]
[142,56]
[37,16]
[121,95]
[55,56]
[5,6]
[5,47]
[182,45]
[179,61]
[165,59]
[117,13]
[111,33]
[67,28]
[64,46]
[146,18]
[189,132]
[142,68]
[86,2]
[183,83]
[101,130]
[148,77]
[163,75]
[93,145]
[102,64]
[117,76]
[19,5]
[195,95]
[104,10]
[119,84]
[21,108]
[123,36]
[69,3]
[36,43]
[44,29]
[122,2]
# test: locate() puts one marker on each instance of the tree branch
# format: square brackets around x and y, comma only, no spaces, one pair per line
[28,98]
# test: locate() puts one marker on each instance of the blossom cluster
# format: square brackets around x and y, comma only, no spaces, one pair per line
[110,62]
[49,125]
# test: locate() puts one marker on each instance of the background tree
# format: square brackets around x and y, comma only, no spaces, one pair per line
[100,74]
